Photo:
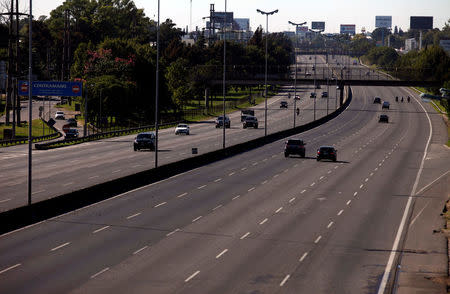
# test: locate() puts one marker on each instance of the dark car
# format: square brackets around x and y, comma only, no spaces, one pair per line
[313,95]
[250,121]
[385,105]
[384,118]
[145,141]
[377,100]
[326,152]
[220,122]
[283,104]
[72,122]
[318,86]
[324,94]
[245,113]
[294,146]
[71,134]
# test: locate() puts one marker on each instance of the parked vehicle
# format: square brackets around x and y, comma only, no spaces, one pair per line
[294,146]
[144,141]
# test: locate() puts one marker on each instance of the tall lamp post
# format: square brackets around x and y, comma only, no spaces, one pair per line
[30,87]
[265,78]
[295,63]
[224,72]
[157,90]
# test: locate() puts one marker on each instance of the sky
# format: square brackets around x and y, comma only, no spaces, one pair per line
[334,12]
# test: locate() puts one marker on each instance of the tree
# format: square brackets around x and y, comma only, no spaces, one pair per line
[178,81]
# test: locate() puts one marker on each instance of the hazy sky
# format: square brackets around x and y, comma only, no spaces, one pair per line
[333,12]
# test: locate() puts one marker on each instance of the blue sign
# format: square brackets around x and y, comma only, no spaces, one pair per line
[40,88]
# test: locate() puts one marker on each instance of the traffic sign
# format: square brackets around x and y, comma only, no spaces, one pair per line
[52,88]
[66,128]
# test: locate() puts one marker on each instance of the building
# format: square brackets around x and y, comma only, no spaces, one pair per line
[241,24]
[411,44]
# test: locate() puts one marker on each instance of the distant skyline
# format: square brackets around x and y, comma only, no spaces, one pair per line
[359,12]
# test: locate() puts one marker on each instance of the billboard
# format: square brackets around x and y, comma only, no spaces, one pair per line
[348,29]
[241,24]
[301,31]
[318,25]
[421,22]
[223,17]
[44,88]
[383,21]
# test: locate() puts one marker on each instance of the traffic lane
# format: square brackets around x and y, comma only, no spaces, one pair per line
[363,249]
[156,275]
[425,260]
[338,191]
[73,165]
[64,243]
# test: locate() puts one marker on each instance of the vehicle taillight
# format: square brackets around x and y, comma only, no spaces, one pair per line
[318,152]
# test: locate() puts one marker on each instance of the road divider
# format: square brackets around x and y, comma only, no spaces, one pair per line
[26,215]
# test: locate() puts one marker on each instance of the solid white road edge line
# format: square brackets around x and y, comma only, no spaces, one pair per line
[388,269]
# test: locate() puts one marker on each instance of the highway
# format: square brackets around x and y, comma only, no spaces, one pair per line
[59,171]
[253,223]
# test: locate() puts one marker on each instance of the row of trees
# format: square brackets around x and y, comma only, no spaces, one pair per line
[112,48]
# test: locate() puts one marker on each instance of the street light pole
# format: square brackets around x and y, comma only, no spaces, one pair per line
[315,96]
[224,73]
[295,64]
[157,90]
[30,88]
[265,78]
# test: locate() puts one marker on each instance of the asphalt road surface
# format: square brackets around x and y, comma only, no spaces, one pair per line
[253,223]
[59,171]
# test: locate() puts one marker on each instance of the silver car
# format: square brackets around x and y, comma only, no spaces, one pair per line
[182,129]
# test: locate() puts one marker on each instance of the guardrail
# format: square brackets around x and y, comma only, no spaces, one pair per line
[66,142]
[24,140]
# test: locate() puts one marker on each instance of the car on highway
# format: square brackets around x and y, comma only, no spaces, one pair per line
[377,100]
[182,129]
[294,146]
[71,134]
[307,74]
[313,95]
[220,122]
[313,68]
[326,152]
[283,104]
[250,121]
[383,118]
[324,94]
[144,140]
[60,115]
[385,105]
[318,86]
[72,122]
[246,112]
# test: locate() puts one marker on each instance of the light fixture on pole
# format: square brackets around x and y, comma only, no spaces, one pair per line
[265,75]
[295,64]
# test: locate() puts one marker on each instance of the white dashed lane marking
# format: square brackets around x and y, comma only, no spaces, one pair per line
[191,276]
[340,212]
[263,221]
[60,246]
[303,256]
[236,197]
[161,204]
[201,187]
[318,239]
[221,253]
[245,235]
[217,207]
[173,232]
[278,210]
[99,273]
[329,225]
[284,280]
[196,219]
[101,229]
[139,250]
[134,215]
[10,268]
[181,195]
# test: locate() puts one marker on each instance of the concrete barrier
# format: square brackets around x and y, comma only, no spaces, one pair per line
[26,215]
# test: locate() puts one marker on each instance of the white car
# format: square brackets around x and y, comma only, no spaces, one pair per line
[182,129]
[59,115]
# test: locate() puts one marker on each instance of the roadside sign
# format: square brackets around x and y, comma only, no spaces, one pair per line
[51,88]
[66,128]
